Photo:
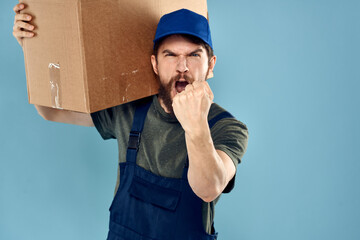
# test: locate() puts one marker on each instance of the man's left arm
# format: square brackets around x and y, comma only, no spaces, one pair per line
[210,170]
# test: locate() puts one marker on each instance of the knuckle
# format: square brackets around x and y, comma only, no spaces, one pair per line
[18,24]
[22,17]
[199,93]
[17,35]
[22,24]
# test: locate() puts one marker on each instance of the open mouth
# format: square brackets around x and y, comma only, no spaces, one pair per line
[180,85]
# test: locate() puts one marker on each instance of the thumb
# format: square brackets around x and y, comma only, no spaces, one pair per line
[208,91]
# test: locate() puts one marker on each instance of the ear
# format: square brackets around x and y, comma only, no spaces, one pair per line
[211,67]
[154,64]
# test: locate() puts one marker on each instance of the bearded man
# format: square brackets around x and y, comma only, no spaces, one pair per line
[178,151]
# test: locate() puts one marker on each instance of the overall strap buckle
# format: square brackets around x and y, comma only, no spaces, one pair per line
[134,140]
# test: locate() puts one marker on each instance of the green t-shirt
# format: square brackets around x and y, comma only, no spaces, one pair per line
[162,149]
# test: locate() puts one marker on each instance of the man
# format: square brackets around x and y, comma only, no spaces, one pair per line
[178,151]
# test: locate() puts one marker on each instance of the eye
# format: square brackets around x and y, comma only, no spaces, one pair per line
[194,55]
[169,54]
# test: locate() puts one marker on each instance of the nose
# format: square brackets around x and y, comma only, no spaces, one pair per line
[182,65]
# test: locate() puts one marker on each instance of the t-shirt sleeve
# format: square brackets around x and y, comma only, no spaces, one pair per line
[230,136]
[104,122]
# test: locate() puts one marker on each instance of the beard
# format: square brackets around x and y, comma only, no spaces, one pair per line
[166,89]
[165,95]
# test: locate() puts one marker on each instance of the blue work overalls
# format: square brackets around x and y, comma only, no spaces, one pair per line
[147,206]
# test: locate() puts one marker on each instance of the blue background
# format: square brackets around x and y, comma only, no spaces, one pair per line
[288,69]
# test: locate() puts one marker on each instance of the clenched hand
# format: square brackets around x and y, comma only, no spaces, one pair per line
[191,107]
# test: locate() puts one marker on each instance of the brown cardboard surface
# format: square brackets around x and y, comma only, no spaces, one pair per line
[89,55]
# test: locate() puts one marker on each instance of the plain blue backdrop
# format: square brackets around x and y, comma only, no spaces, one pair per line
[289,69]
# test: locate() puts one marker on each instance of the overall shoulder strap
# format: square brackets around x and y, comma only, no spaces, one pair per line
[136,129]
[219,117]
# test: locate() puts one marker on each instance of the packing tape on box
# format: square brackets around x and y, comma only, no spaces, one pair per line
[55,83]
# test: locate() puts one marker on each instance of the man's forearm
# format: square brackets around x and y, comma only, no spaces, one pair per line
[207,175]
[64,116]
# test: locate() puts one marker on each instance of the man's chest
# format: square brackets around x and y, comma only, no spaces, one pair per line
[162,148]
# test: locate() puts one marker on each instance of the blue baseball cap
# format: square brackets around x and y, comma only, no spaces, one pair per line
[183,21]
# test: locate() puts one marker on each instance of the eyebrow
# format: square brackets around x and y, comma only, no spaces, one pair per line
[170,52]
[197,50]
[167,51]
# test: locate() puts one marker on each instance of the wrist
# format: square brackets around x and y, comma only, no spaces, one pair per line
[198,133]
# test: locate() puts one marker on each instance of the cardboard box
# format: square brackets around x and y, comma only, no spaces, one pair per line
[89,55]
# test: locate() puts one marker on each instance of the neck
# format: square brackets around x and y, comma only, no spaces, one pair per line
[162,104]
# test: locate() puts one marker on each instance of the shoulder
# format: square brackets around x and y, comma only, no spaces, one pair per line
[110,121]
[126,109]
[216,110]
[228,134]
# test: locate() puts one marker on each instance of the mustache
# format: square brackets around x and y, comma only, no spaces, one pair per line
[178,76]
